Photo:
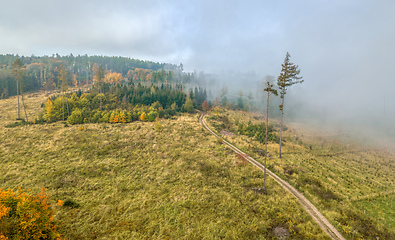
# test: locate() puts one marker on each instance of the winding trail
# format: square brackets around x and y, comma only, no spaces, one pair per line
[306,204]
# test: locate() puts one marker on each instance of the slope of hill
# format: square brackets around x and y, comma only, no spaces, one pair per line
[168,179]
[352,185]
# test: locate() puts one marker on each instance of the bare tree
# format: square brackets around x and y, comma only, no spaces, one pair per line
[270,90]
[18,70]
[289,76]
[98,75]
[63,85]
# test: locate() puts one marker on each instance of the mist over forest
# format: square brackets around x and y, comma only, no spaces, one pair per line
[366,119]
[344,49]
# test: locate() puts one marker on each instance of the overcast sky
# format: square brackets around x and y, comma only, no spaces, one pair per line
[344,48]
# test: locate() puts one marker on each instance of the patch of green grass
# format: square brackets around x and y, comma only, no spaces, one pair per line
[16,124]
[381,208]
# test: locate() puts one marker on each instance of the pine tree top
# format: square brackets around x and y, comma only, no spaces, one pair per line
[289,75]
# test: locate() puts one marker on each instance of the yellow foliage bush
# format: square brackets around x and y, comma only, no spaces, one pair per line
[26,216]
[143,117]
[122,117]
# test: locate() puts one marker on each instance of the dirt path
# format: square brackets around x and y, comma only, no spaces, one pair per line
[306,204]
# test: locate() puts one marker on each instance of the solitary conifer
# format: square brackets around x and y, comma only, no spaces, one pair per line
[289,76]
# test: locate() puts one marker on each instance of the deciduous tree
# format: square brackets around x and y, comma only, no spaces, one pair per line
[289,76]
[206,106]
[188,106]
[113,78]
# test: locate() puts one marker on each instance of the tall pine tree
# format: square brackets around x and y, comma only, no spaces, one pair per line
[289,76]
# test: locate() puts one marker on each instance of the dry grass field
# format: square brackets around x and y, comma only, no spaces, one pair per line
[353,184]
[161,180]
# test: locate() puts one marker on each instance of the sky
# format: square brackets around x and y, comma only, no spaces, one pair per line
[344,48]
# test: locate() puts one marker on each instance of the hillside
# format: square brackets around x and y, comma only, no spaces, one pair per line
[350,183]
[171,179]
[167,179]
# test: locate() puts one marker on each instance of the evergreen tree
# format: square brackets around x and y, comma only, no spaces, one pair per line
[240,103]
[289,76]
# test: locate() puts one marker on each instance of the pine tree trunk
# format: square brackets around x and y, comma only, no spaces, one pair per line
[63,106]
[17,93]
[100,97]
[281,124]
[68,111]
[23,103]
[267,123]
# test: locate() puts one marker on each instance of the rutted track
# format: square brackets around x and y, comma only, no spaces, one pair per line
[306,204]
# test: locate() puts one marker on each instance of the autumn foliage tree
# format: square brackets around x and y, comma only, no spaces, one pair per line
[113,78]
[143,117]
[26,216]
[206,106]
[289,76]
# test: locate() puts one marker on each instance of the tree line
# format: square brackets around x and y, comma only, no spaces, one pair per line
[43,72]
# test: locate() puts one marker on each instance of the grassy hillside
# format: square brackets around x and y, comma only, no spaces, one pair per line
[353,186]
[162,180]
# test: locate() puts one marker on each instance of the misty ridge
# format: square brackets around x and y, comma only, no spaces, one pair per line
[368,119]
[362,113]
[344,49]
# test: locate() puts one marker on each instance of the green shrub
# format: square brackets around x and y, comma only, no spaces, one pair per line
[105,116]
[151,116]
[70,203]
[96,116]
[16,124]
[76,117]
[188,106]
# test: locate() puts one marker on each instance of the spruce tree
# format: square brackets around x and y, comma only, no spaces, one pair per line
[289,76]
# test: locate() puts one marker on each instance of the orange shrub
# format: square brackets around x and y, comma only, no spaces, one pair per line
[26,216]
[143,117]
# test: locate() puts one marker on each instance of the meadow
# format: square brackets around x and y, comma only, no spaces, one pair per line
[351,183]
[167,179]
